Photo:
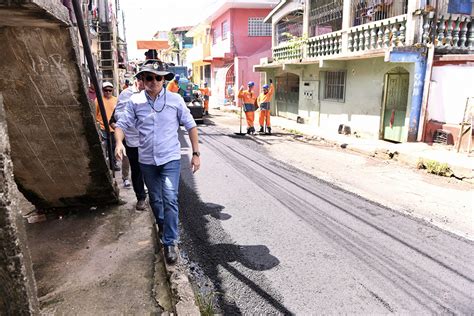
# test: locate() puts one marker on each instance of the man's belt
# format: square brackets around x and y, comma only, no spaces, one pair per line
[265,106]
[249,107]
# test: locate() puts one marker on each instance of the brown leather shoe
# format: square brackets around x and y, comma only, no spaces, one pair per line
[141,205]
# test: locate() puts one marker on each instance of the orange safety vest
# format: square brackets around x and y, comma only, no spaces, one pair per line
[109,105]
[247,96]
[262,98]
[173,86]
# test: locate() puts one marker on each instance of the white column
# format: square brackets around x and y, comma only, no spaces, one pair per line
[346,15]
[306,10]
[412,22]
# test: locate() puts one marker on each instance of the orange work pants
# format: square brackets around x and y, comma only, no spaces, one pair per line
[264,116]
[206,105]
[250,116]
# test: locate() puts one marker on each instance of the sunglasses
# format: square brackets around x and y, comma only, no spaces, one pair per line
[108,90]
[153,77]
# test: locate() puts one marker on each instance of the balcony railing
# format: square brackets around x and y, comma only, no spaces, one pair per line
[293,51]
[358,40]
[449,33]
[378,35]
[324,45]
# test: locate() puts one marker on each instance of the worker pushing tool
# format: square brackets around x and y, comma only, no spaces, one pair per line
[206,93]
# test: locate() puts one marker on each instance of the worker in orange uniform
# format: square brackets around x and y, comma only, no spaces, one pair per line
[173,85]
[110,102]
[250,105]
[263,102]
[206,93]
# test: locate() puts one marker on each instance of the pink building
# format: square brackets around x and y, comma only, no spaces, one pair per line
[239,39]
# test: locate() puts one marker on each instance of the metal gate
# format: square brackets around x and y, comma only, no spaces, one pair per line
[287,95]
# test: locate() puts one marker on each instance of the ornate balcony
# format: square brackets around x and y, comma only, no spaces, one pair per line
[324,45]
[377,35]
[369,38]
[450,33]
[289,51]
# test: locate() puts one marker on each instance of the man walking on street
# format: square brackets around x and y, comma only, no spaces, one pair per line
[131,145]
[157,114]
[110,101]
[250,105]
[263,102]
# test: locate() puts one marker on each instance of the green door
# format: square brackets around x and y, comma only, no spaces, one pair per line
[395,106]
[287,95]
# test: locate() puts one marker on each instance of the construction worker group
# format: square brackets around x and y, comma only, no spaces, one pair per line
[251,102]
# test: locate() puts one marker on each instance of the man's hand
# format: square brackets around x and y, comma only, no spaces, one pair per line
[271,81]
[119,151]
[195,163]
[241,88]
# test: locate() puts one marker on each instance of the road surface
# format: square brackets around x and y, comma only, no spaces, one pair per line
[264,237]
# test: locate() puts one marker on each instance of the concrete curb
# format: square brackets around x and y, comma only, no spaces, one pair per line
[461,172]
[182,294]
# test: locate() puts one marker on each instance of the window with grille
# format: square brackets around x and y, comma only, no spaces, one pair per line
[225,30]
[334,85]
[215,33]
[290,26]
[258,28]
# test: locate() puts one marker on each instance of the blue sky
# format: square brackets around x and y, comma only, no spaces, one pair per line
[144,17]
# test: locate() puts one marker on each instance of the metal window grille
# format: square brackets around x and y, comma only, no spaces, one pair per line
[290,24]
[335,85]
[325,16]
[225,30]
[366,11]
[258,28]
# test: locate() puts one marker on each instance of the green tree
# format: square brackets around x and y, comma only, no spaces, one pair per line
[173,41]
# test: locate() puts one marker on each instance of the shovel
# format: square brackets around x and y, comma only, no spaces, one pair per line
[240,130]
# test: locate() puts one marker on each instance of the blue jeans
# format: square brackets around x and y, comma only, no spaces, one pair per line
[163,183]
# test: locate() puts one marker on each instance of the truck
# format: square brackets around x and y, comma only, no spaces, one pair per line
[189,91]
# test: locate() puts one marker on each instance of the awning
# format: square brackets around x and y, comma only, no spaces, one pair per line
[158,45]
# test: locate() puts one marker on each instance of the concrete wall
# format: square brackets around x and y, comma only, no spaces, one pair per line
[221,46]
[444,105]
[17,285]
[55,148]
[244,44]
[362,107]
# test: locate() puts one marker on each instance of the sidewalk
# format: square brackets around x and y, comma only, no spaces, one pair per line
[104,261]
[461,164]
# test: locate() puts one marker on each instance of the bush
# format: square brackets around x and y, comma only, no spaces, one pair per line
[435,167]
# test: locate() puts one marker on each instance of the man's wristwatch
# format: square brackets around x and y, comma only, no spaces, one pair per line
[196,153]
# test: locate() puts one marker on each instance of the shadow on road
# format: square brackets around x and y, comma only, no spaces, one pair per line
[222,261]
